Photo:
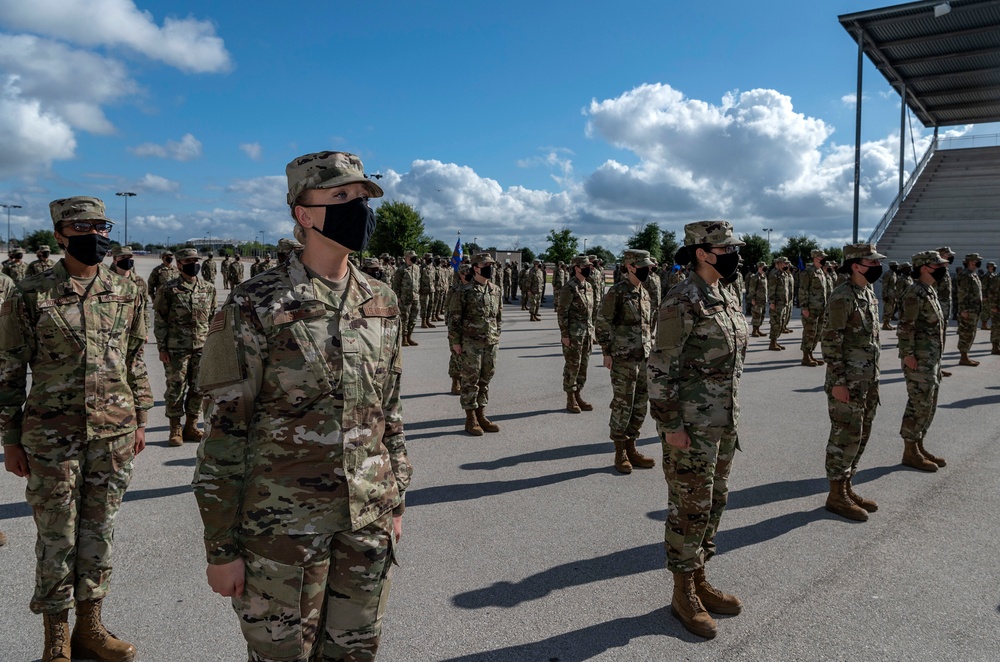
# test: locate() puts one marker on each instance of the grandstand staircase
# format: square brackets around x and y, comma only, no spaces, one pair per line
[954,202]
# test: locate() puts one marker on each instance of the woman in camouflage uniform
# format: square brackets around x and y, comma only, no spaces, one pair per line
[694,372]
[301,474]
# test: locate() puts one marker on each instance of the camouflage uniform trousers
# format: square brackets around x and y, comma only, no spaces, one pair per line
[408,316]
[534,301]
[995,328]
[922,396]
[438,303]
[698,481]
[182,394]
[477,365]
[812,329]
[577,356]
[316,597]
[555,297]
[967,330]
[778,320]
[426,305]
[630,398]
[757,313]
[75,490]
[850,428]
[454,365]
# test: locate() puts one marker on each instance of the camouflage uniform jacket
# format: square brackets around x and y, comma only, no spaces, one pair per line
[235,272]
[697,359]
[208,269]
[427,279]
[901,284]
[779,288]
[304,429]
[16,271]
[40,266]
[88,377]
[921,325]
[576,310]
[970,293]
[182,312]
[757,288]
[813,290]
[536,280]
[623,326]
[943,289]
[990,282]
[406,283]
[558,276]
[850,340]
[475,315]
[6,287]
[160,276]
[652,286]
[889,285]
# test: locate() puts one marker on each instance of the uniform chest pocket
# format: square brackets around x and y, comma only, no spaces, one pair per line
[199,306]
[297,358]
[59,340]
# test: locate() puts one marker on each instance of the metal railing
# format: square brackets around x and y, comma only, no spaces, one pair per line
[965,142]
[894,206]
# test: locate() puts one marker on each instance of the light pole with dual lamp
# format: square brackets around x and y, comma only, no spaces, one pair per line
[126,195]
[8,208]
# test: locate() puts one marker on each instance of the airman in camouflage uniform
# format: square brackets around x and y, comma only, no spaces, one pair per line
[124,266]
[507,293]
[814,290]
[596,281]
[943,288]
[474,320]
[921,344]
[757,294]
[208,269]
[576,330]
[162,273]
[406,285]
[992,302]
[446,275]
[558,279]
[536,288]
[989,281]
[6,287]
[652,285]
[16,269]
[970,304]
[889,295]
[288,246]
[427,282]
[851,350]
[694,374]
[43,263]
[80,330]
[235,271]
[624,332]
[454,361]
[301,475]
[779,294]
[522,282]
[183,308]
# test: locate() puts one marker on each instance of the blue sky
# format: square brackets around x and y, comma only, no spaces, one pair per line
[501,120]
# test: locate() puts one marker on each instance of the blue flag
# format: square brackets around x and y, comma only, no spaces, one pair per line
[802,266]
[456,255]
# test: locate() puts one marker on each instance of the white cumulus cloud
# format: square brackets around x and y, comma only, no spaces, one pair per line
[156,183]
[252,150]
[188,149]
[30,137]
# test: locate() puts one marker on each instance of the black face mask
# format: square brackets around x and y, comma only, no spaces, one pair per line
[90,249]
[939,274]
[822,262]
[350,224]
[486,271]
[191,269]
[585,272]
[951,260]
[726,265]
[979,263]
[125,264]
[641,274]
[169,260]
[873,274]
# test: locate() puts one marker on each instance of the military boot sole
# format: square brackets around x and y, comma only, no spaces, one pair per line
[856,513]
[927,466]
[84,653]
[702,631]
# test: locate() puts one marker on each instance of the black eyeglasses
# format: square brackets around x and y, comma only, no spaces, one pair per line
[101,227]
[728,249]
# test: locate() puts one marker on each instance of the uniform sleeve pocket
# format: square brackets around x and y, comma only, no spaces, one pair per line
[270,608]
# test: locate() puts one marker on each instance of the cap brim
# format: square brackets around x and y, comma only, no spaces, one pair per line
[374,190]
[730,241]
[645,262]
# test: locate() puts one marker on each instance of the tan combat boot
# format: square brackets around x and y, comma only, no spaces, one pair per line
[571,405]
[756,332]
[176,437]
[409,339]
[486,424]
[687,608]
[56,637]
[405,342]
[622,465]
[840,504]
[933,458]
[456,386]
[774,347]
[429,325]
[818,361]
[912,457]
[584,405]
[786,330]
[191,431]
[635,458]
[886,326]
[984,326]
[808,360]
[471,424]
[868,504]
[92,640]
[965,360]
[3,538]
[712,598]
[996,348]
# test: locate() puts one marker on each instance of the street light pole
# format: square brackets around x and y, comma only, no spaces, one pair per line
[584,245]
[768,231]
[8,208]
[126,195]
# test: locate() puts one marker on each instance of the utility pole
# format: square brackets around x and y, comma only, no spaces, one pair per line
[8,208]
[126,195]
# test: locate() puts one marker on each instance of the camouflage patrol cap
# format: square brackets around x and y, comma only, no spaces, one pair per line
[16,252]
[893,263]
[78,208]
[991,264]
[384,256]
[636,258]
[973,257]
[409,254]
[482,258]
[945,249]
[716,233]
[187,253]
[761,264]
[44,249]
[119,251]
[327,170]
[928,258]
[817,253]
[428,255]
[862,252]
[464,268]
[373,262]
[166,254]
[906,265]
[780,258]
[580,261]
[286,246]
[593,258]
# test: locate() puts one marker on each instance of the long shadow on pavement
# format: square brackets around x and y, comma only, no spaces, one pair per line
[12,510]
[589,642]
[459,422]
[972,402]
[467,491]
[564,453]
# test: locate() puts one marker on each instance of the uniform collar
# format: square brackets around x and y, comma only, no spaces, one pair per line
[358,290]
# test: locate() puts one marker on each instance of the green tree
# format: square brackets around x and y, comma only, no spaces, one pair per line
[835,254]
[440,248]
[756,250]
[40,238]
[399,229]
[797,248]
[669,247]
[563,246]
[527,255]
[600,251]
[648,238]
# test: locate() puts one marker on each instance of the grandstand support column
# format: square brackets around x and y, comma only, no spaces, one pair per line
[902,137]
[857,135]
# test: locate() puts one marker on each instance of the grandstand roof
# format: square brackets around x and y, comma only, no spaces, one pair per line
[949,61]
